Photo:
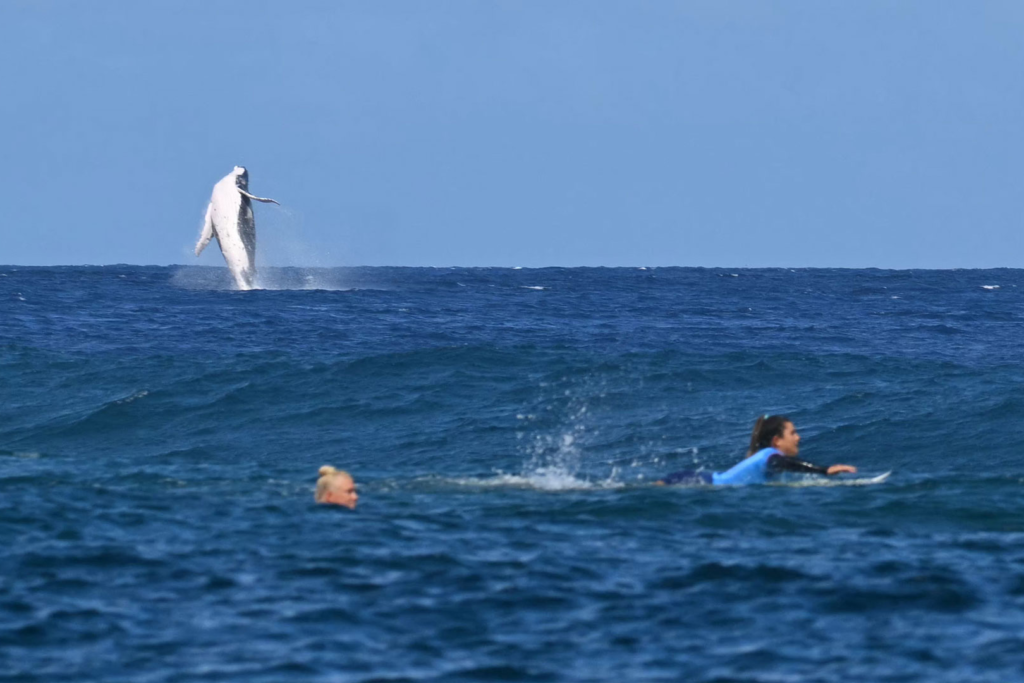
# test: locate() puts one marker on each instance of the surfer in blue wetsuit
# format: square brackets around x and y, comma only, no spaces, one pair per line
[774,445]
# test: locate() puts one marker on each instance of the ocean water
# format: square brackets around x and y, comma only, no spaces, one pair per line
[160,436]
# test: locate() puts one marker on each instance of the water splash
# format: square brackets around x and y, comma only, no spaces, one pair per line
[543,479]
[285,260]
[555,455]
[308,278]
[267,278]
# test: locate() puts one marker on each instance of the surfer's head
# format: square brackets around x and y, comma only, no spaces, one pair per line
[774,431]
[336,487]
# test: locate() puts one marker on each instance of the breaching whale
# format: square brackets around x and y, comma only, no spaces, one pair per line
[229,217]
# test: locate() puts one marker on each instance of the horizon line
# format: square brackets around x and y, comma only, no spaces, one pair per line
[505,267]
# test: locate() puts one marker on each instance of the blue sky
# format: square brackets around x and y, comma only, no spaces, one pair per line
[717,133]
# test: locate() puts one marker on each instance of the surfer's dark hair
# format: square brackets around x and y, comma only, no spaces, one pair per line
[766,429]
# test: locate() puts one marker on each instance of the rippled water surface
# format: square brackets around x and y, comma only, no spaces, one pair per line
[160,436]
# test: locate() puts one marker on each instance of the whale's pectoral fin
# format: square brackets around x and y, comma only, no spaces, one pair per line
[207,235]
[265,200]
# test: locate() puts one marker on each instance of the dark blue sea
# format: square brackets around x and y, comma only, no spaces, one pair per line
[160,436]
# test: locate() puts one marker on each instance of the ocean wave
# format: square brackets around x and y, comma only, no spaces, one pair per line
[160,441]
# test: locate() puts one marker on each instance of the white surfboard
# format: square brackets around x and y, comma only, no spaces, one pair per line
[880,478]
[837,481]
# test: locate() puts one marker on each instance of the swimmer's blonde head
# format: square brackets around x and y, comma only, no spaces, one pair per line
[327,470]
[336,486]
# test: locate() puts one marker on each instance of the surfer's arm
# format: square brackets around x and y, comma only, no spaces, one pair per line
[781,463]
[207,235]
[265,200]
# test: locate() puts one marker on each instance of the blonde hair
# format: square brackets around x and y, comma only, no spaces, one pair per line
[327,476]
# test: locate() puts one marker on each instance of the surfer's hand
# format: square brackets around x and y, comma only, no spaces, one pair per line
[836,469]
